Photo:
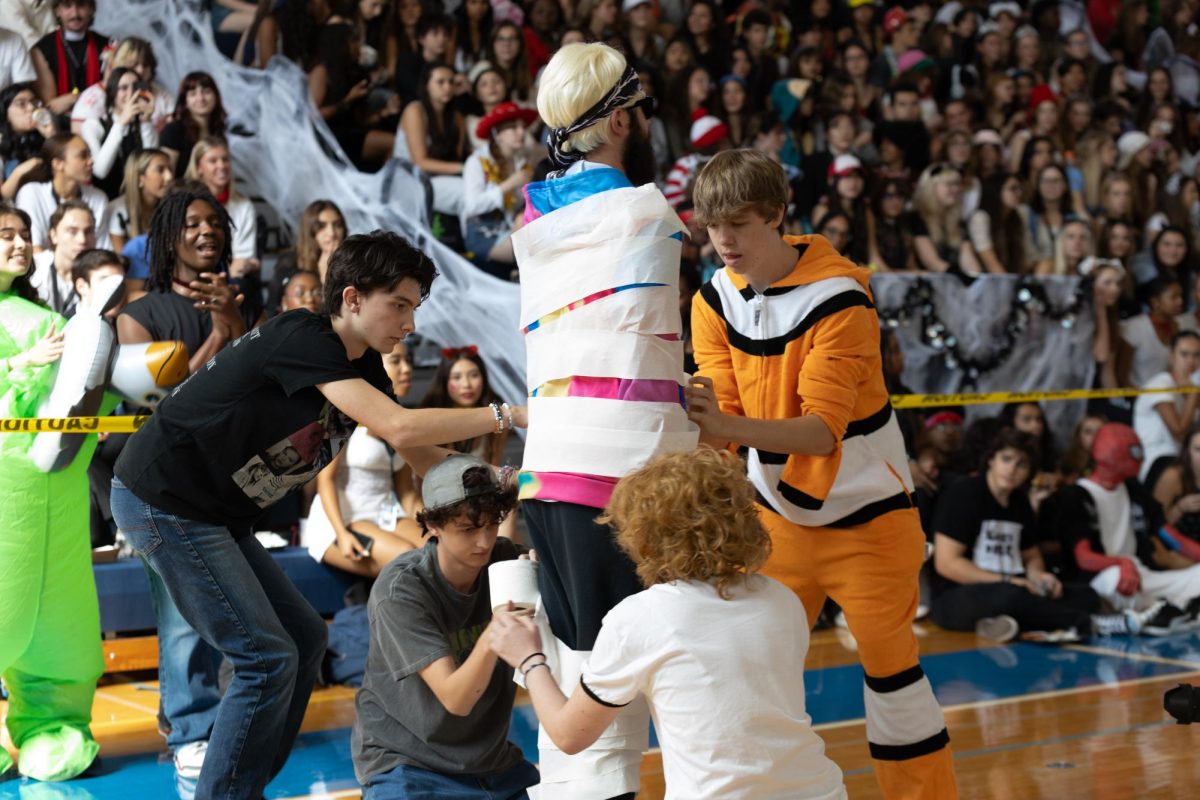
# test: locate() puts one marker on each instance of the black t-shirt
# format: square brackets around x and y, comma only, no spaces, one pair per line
[248,427]
[994,535]
[417,618]
[1078,519]
[170,316]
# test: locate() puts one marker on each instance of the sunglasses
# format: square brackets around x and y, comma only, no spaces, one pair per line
[648,105]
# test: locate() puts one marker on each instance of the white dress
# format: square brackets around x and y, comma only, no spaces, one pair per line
[366,491]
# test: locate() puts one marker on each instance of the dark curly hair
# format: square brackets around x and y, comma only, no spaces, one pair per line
[490,508]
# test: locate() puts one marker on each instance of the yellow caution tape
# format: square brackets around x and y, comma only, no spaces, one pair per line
[899,401]
[981,398]
[73,424]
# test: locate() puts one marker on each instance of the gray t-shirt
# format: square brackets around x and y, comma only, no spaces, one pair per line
[416,617]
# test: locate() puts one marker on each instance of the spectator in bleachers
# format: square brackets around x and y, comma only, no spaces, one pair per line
[435,138]
[322,228]
[472,28]
[67,61]
[708,137]
[1168,256]
[301,290]
[1029,418]
[847,194]
[1052,206]
[138,55]
[936,223]
[493,178]
[1077,459]
[1096,157]
[72,230]
[23,131]
[124,129]
[998,231]
[1135,160]
[1116,203]
[64,174]
[704,35]
[1150,334]
[641,31]
[1118,240]
[433,49]
[544,21]
[902,34]
[1107,280]
[290,29]
[836,226]
[147,178]
[408,16]
[341,89]
[212,165]
[686,99]
[488,90]
[1160,420]
[891,246]
[733,108]
[1072,245]
[1178,491]
[1044,118]
[378,48]
[598,18]
[506,52]
[198,113]
[461,381]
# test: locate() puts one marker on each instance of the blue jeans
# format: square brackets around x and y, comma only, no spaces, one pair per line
[187,671]
[414,783]
[234,595]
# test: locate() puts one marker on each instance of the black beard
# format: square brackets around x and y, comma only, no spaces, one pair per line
[637,159]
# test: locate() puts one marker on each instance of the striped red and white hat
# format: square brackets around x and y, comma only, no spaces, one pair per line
[707,130]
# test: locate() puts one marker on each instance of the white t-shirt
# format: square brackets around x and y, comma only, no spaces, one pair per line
[61,298]
[245,227]
[1149,353]
[1114,509]
[38,201]
[724,685]
[1148,424]
[15,64]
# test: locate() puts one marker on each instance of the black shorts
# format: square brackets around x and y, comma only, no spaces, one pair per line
[582,572]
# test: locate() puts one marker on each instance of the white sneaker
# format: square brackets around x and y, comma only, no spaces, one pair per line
[1001,628]
[189,759]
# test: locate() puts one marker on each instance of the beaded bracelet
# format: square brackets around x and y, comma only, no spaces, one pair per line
[508,413]
[495,407]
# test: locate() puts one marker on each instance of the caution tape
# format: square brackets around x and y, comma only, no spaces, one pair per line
[73,424]
[982,398]
[899,401]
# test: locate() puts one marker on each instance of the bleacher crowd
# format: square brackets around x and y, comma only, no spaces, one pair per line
[960,137]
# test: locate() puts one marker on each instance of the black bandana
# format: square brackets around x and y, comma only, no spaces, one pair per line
[618,96]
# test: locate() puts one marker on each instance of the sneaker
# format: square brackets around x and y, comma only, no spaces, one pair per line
[1060,636]
[1114,624]
[1001,628]
[189,759]
[1160,619]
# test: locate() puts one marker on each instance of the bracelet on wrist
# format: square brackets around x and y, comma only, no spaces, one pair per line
[508,415]
[499,417]
[525,672]
[526,659]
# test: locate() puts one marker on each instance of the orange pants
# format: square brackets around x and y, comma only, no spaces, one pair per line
[871,572]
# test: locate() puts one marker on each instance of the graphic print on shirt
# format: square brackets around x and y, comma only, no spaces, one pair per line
[294,460]
[998,548]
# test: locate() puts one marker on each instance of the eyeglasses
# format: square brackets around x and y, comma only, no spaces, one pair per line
[22,102]
[509,39]
[648,105]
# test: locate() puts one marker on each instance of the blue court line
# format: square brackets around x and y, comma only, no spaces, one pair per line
[321,762]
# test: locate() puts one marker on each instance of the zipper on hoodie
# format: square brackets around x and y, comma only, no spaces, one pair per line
[760,327]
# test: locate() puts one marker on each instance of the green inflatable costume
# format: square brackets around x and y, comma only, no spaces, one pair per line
[50,653]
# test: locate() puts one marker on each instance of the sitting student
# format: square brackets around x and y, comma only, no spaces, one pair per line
[302,290]
[147,177]
[990,574]
[322,228]
[1108,525]
[689,523]
[1178,490]
[1150,334]
[492,181]
[1161,420]
[435,705]
[72,230]
[65,174]
[366,500]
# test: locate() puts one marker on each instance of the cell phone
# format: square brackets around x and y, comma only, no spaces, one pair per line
[367,542]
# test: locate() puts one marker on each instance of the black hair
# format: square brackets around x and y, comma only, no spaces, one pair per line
[900,87]
[1160,284]
[1047,450]
[482,509]
[431,21]
[166,228]
[21,285]
[755,16]
[17,146]
[1067,63]
[89,261]
[375,260]
[113,85]
[438,394]
[1012,439]
[216,119]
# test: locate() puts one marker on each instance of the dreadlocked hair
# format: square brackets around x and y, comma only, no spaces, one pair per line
[166,229]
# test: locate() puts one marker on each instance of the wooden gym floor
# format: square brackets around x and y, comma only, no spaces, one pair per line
[1026,721]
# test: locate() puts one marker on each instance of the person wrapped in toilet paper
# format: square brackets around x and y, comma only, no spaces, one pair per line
[50,653]
[599,260]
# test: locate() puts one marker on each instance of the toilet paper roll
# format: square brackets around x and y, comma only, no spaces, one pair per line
[514,580]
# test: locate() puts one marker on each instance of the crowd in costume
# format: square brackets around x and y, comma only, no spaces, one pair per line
[693,197]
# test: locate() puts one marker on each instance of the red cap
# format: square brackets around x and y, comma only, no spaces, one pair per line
[1041,94]
[895,19]
[505,112]
[943,418]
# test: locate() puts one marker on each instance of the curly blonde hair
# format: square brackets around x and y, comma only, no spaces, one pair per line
[689,516]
